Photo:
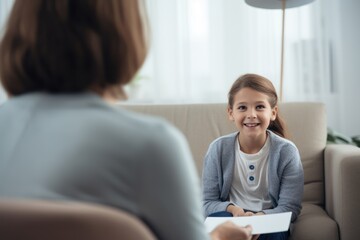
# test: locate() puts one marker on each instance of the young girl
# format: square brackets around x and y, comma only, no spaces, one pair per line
[256,170]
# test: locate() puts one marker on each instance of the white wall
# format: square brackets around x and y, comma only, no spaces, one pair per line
[344,109]
[350,84]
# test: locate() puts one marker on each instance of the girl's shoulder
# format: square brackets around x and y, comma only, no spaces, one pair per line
[225,139]
[223,143]
[282,143]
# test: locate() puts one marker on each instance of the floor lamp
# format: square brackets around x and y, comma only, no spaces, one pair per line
[279,4]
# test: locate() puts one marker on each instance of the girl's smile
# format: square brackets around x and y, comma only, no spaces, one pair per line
[251,125]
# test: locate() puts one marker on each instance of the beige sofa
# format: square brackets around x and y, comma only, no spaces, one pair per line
[331,203]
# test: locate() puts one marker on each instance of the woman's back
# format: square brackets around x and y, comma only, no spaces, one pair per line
[77,147]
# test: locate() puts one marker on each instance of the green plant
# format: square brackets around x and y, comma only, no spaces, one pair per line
[334,137]
[356,140]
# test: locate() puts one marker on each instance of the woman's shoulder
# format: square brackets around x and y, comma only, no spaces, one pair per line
[144,121]
[145,127]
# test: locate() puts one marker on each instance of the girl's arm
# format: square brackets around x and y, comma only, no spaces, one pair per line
[290,183]
[212,182]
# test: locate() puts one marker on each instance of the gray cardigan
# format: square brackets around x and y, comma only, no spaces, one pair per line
[285,172]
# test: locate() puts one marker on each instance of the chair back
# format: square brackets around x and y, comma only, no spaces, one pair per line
[45,220]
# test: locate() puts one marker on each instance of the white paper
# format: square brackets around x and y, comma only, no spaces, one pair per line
[268,223]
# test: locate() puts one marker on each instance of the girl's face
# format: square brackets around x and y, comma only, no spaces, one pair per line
[252,113]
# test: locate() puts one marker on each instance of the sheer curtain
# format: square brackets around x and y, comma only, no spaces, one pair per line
[199,47]
[5,6]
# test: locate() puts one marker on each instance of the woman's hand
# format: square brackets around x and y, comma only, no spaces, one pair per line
[230,231]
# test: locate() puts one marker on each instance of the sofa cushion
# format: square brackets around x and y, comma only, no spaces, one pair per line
[314,223]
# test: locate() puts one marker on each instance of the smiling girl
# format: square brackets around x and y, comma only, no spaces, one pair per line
[255,170]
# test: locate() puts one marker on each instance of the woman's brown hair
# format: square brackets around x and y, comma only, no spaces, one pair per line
[263,85]
[72,45]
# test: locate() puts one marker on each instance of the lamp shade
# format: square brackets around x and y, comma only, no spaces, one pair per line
[277,4]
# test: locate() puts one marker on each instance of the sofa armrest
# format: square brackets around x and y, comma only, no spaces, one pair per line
[342,188]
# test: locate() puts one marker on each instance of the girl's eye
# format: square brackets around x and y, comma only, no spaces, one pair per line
[242,108]
[260,107]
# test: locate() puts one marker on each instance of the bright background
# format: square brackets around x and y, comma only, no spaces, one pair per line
[199,47]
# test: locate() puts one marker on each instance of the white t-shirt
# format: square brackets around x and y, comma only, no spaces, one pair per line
[249,189]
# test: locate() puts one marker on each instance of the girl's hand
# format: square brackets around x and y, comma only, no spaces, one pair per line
[235,210]
[249,213]
[260,213]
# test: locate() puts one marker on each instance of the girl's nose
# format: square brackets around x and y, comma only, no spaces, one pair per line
[251,114]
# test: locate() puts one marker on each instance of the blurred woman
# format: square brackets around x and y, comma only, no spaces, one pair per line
[62,63]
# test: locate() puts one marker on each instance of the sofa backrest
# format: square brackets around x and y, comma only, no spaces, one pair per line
[202,123]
